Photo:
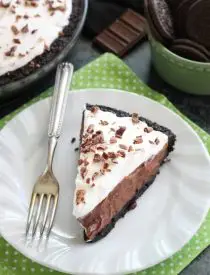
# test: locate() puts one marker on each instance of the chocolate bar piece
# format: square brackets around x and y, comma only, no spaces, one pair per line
[123,34]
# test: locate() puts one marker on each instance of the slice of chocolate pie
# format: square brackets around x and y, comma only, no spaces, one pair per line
[120,155]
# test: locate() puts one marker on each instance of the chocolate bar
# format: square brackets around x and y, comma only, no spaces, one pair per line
[123,34]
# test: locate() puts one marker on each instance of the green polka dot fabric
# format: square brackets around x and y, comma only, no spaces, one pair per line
[110,72]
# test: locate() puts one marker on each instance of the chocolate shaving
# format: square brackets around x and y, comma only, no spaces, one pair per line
[90,129]
[151,142]
[148,129]
[83,172]
[157,141]
[13,9]
[105,156]
[97,158]
[11,52]
[121,153]
[88,180]
[112,155]
[80,196]
[80,162]
[106,165]
[18,17]
[21,55]
[86,162]
[130,149]
[102,147]
[95,175]
[14,29]
[25,29]
[138,140]
[119,133]
[113,140]
[26,16]
[16,41]
[135,118]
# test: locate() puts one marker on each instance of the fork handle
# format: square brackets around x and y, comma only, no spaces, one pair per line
[59,99]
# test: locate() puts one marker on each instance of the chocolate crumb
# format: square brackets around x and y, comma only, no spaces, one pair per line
[104,122]
[93,185]
[135,118]
[112,155]
[26,16]
[94,109]
[157,141]
[76,149]
[151,142]
[25,29]
[14,29]
[88,180]
[73,140]
[123,146]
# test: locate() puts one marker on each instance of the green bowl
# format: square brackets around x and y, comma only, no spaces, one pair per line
[186,75]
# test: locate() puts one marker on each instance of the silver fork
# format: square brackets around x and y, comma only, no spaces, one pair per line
[45,194]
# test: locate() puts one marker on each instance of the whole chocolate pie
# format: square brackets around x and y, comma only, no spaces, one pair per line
[120,156]
[32,33]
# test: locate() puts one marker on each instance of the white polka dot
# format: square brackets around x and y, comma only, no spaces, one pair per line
[197,241]
[32,269]
[204,227]
[171,264]
[6,252]
[81,76]
[23,268]
[189,256]
[162,272]
[42,269]
[153,272]
[5,268]
[172,271]
[162,264]
[180,263]
[180,256]
[112,72]
[205,138]
[24,260]
[205,233]
[198,247]
[207,240]
[144,272]
[15,260]
[7,244]
[14,268]
[15,253]
[6,260]
[51,270]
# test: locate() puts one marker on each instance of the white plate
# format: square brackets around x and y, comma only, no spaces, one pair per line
[167,215]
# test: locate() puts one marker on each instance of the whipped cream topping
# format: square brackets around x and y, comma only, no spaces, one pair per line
[112,148]
[28,28]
